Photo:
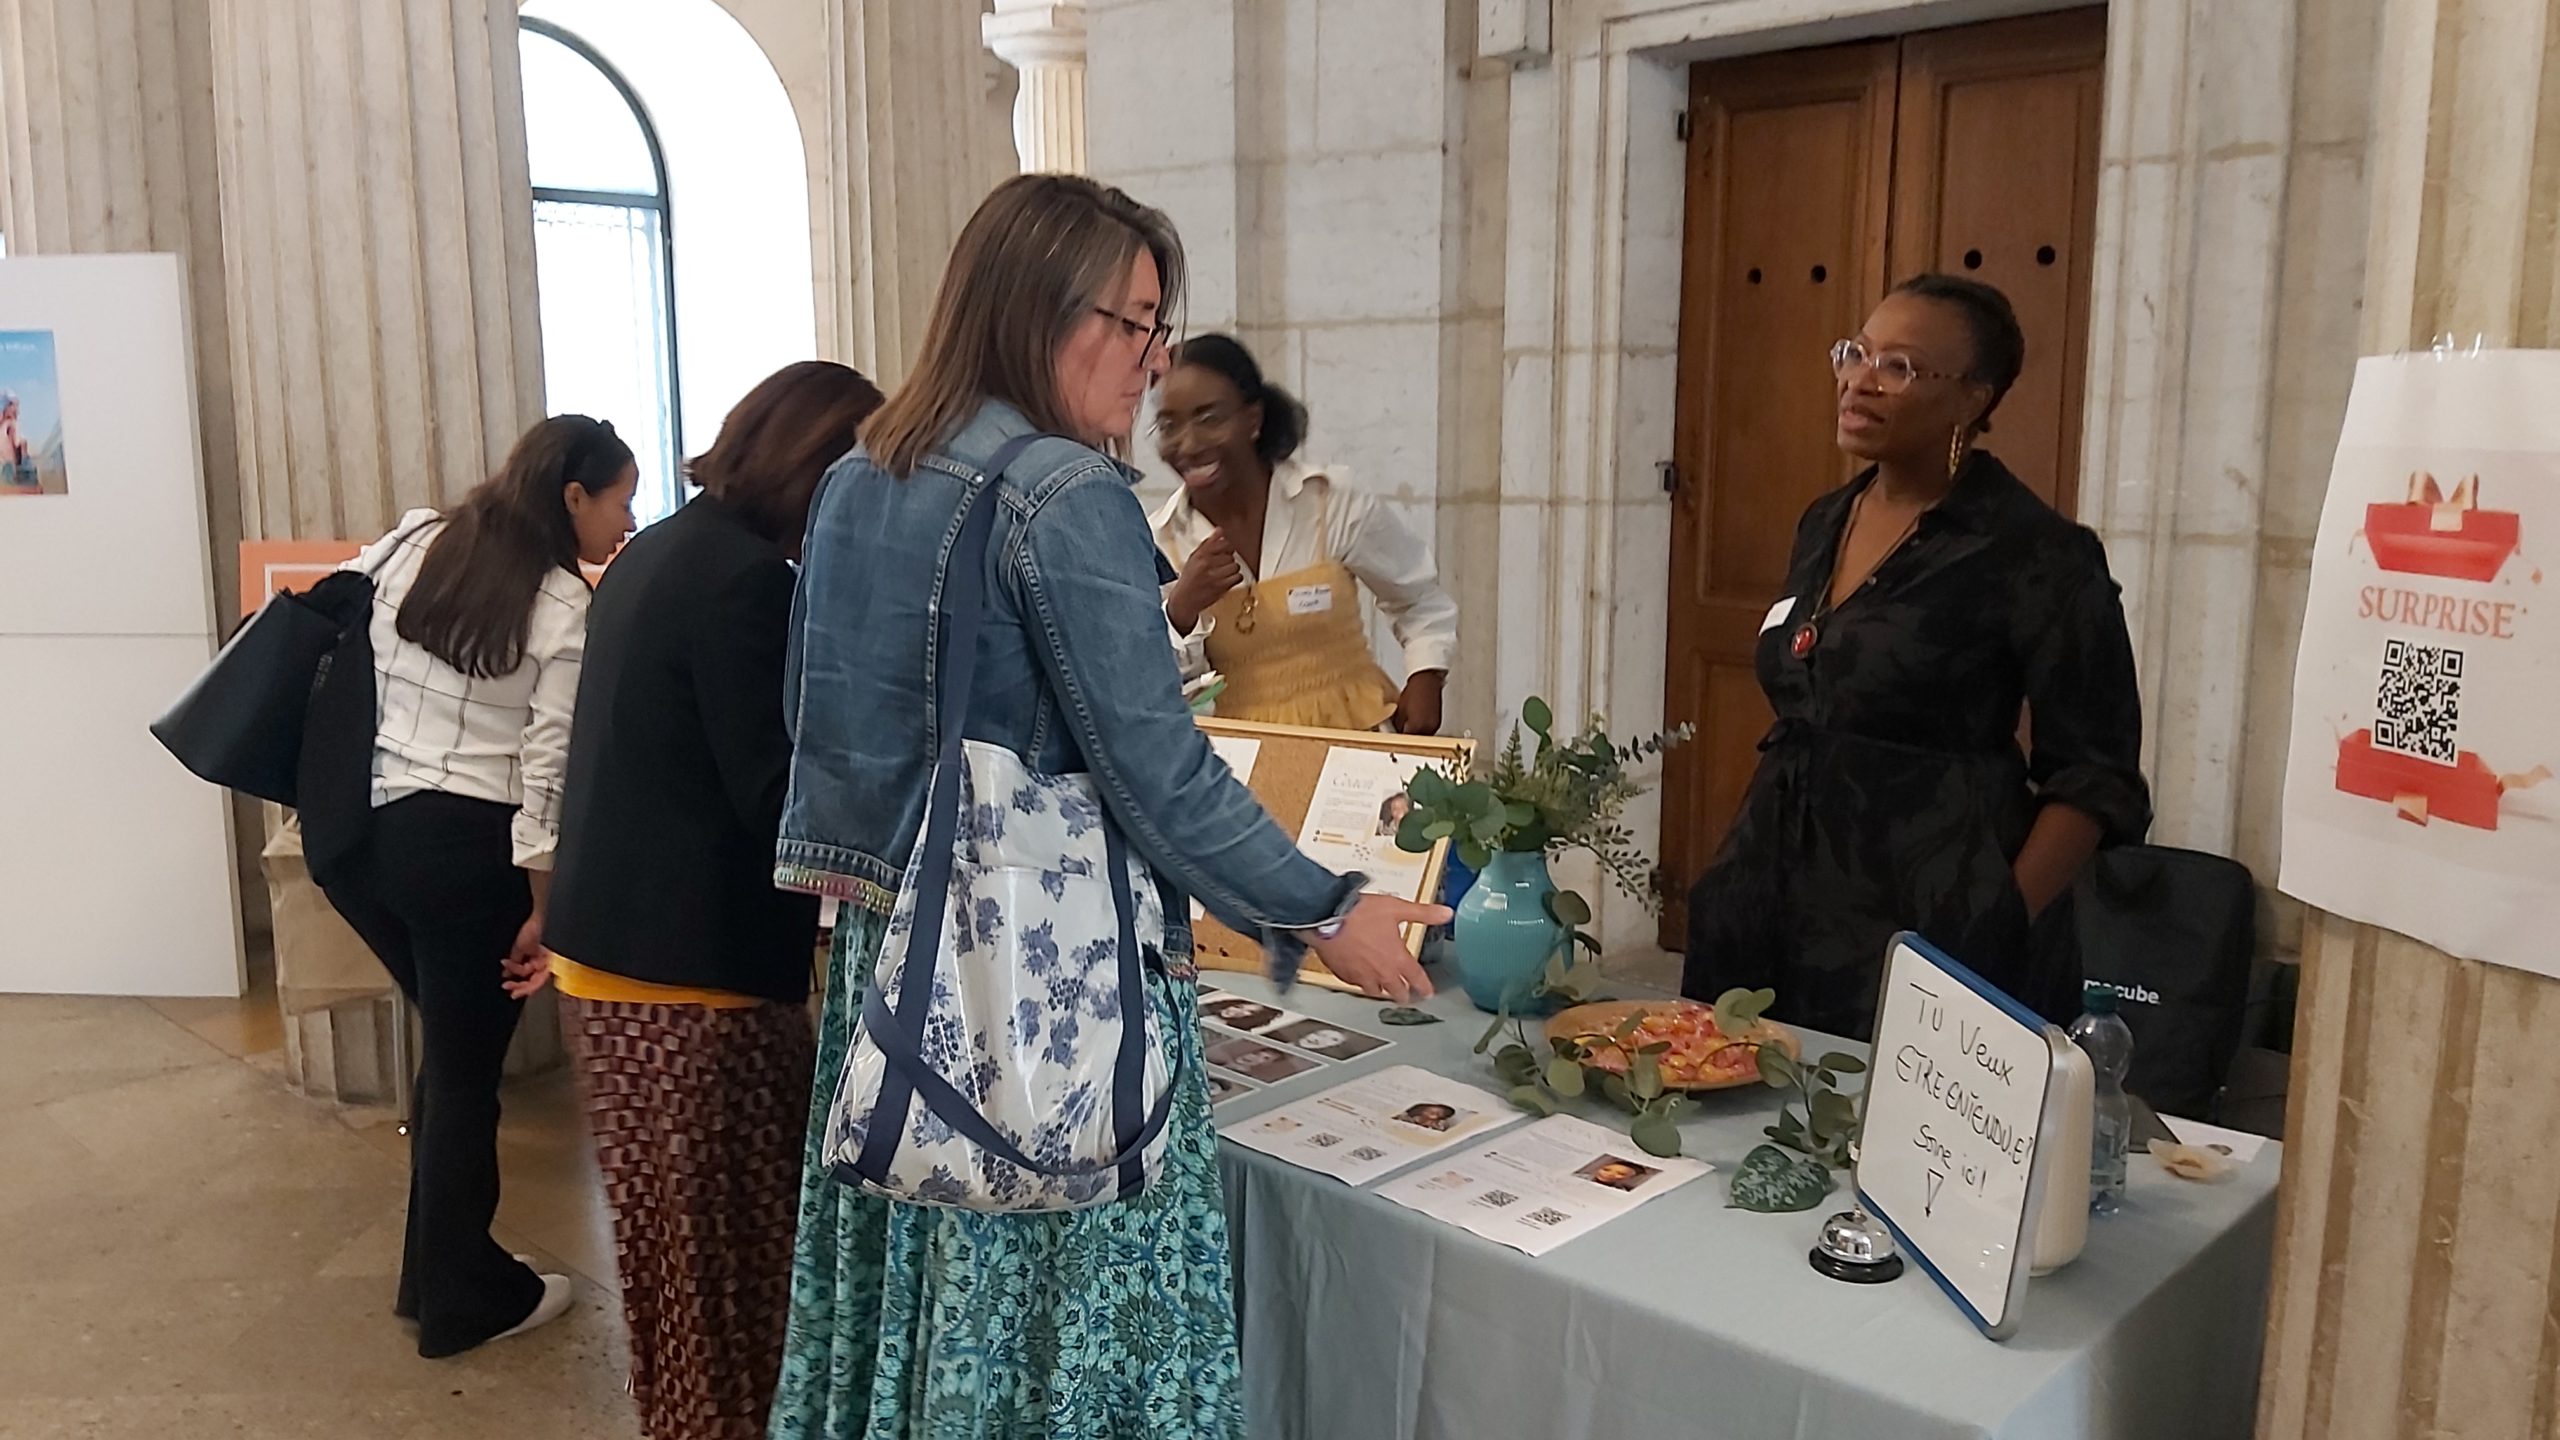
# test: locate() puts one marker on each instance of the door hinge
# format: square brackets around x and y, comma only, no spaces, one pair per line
[1680,125]
[1669,473]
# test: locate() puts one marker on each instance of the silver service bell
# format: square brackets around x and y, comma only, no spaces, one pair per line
[1857,1247]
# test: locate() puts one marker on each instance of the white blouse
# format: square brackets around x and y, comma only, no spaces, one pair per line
[1376,546]
[504,739]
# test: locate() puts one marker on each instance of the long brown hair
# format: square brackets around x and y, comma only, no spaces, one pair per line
[472,602]
[779,440]
[1040,254]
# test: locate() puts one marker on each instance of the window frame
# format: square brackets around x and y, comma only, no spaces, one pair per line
[663,203]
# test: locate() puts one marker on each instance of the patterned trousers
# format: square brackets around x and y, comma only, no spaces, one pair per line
[698,1115]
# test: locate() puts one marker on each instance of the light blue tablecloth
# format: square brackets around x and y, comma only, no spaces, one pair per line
[1688,1319]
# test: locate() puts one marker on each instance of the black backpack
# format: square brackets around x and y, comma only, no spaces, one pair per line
[2174,931]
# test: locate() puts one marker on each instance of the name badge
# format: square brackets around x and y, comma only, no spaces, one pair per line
[1310,599]
[1778,614]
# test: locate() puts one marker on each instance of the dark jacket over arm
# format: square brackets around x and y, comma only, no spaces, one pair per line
[678,765]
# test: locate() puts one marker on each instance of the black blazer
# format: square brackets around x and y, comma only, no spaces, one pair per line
[677,765]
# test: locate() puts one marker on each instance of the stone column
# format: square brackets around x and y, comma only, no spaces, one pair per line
[914,141]
[384,335]
[1044,39]
[2418,1233]
[380,258]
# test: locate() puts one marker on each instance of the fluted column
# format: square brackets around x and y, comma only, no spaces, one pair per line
[914,141]
[1044,39]
[384,334]
[2418,1234]
[380,257]
[109,139]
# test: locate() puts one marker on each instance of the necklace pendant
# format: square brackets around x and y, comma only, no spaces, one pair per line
[1806,637]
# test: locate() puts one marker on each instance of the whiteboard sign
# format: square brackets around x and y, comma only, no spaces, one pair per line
[1960,1089]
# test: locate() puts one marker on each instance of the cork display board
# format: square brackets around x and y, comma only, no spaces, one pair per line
[1286,767]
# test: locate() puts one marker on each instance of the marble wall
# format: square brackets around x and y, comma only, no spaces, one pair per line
[2230,245]
[1318,158]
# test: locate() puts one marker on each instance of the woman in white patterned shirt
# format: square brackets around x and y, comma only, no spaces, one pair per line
[479,622]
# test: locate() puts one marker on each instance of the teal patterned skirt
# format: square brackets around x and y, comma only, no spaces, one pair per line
[913,1323]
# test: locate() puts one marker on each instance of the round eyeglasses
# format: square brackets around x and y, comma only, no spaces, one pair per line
[1893,370]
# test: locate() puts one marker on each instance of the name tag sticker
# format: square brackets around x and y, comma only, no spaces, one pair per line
[1778,614]
[1310,599]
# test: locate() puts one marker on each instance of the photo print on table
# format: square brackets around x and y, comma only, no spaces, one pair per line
[1225,1086]
[1326,1039]
[1617,1172]
[1252,1059]
[1238,1013]
[1431,1115]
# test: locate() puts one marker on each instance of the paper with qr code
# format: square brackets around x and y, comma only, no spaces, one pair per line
[1541,1185]
[1374,1125]
[2426,697]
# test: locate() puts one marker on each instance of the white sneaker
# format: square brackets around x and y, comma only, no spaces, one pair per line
[557,1292]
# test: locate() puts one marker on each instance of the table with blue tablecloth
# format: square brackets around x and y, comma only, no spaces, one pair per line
[1687,1318]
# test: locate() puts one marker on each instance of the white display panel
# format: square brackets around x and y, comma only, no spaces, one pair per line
[119,876]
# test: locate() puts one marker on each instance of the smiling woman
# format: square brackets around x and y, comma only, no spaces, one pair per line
[1273,555]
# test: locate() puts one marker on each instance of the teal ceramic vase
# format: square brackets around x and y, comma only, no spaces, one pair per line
[1504,933]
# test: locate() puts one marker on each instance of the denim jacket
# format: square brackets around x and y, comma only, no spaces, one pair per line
[1073,675]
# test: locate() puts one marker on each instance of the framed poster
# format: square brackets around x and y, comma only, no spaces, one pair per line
[1339,793]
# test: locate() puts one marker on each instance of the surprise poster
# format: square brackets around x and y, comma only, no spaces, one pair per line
[30,416]
[2426,702]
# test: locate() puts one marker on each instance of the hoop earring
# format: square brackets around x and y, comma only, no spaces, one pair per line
[1956,451]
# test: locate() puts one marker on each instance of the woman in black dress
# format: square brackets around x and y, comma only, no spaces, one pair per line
[1926,602]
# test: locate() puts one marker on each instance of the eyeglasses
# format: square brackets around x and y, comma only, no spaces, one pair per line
[1893,370]
[1156,334]
[1169,426]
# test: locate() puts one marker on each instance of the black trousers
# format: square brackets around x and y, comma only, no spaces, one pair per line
[435,892]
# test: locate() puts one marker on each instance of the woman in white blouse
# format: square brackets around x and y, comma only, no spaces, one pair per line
[1270,555]
[479,622]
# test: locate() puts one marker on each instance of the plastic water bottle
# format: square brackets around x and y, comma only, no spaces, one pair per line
[2101,1034]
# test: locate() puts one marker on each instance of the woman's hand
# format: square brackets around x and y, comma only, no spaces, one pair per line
[526,976]
[1206,577]
[1369,954]
[1418,708]
[527,967]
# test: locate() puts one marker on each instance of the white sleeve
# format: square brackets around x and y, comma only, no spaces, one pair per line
[558,651]
[370,559]
[1388,557]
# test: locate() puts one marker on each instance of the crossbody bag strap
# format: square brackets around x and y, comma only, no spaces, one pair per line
[898,1030]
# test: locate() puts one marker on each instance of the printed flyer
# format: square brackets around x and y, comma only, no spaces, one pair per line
[1542,1185]
[2418,790]
[1352,819]
[1383,1121]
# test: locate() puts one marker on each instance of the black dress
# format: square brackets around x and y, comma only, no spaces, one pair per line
[1892,792]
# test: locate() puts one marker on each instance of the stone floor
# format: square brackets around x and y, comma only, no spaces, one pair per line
[189,1250]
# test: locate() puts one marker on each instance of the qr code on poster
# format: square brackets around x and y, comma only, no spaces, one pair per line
[2417,706]
[1498,1199]
[1548,1215]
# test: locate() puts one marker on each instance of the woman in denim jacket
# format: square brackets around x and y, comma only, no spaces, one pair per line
[909,1321]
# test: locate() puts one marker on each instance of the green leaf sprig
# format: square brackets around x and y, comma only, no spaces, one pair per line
[1566,793]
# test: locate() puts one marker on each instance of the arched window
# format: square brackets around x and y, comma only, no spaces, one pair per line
[604,255]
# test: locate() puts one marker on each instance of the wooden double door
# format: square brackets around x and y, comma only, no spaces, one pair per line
[1817,179]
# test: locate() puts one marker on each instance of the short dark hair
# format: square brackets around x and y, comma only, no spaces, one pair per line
[1999,345]
[780,439]
[1284,420]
